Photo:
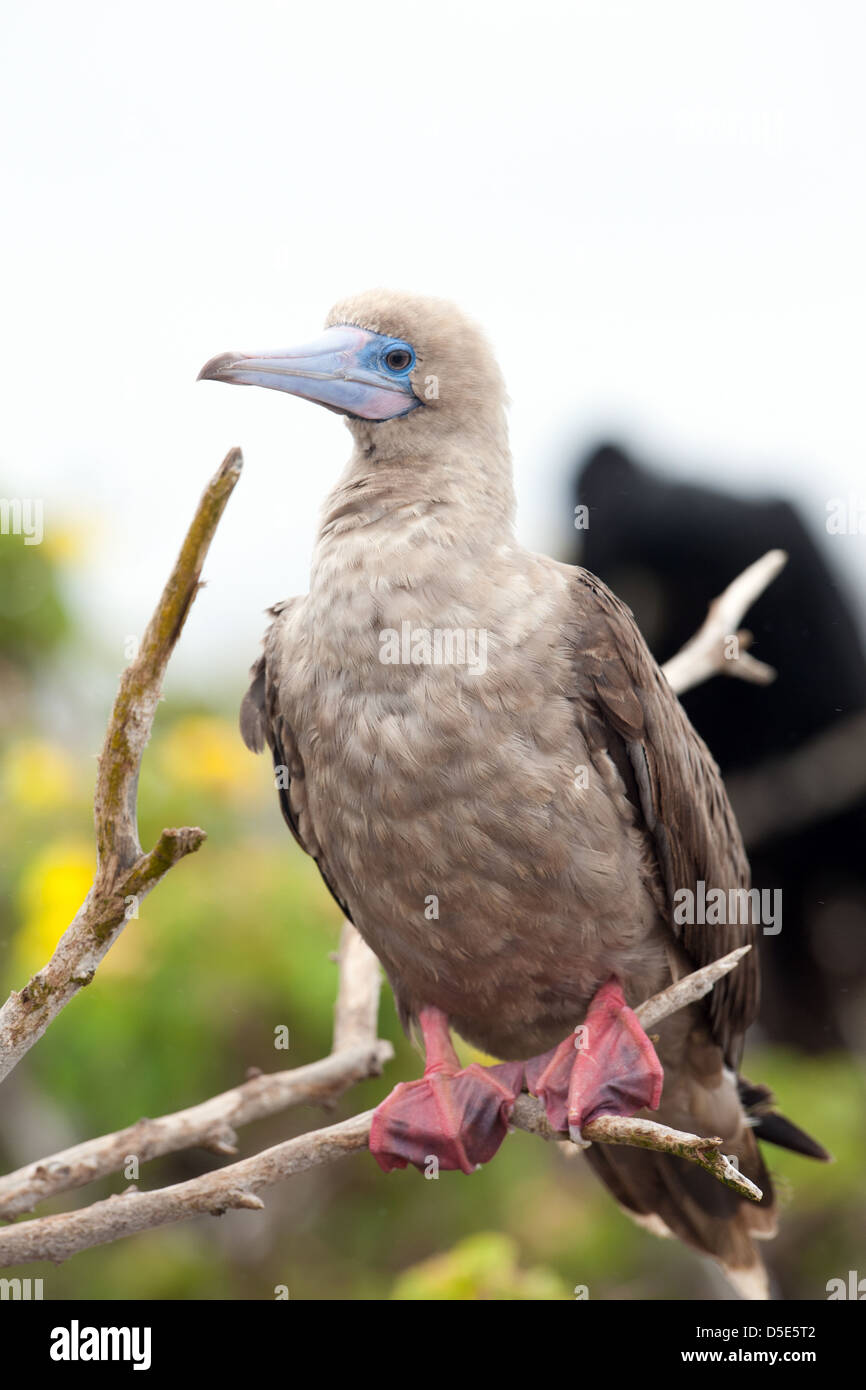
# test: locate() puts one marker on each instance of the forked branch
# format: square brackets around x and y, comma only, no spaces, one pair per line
[124,873]
[720,646]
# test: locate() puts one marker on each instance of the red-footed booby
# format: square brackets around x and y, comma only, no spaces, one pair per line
[500,789]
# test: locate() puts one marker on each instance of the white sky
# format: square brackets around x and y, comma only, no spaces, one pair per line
[658,212]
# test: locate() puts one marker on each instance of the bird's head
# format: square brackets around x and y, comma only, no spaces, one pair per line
[388,361]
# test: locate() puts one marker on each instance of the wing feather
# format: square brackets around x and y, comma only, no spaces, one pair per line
[677,789]
[262,722]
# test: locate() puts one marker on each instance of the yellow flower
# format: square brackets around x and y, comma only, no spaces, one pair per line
[38,775]
[70,541]
[53,886]
[207,752]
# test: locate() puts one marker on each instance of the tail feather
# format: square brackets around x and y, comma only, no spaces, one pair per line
[774,1128]
[672,1196]
[668,1195]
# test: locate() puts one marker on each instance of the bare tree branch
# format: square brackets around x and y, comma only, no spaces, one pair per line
[357,1055]
[711,652]
[211,1125]
[528,1114]
[238,1184]
[57,1237]
[124,874]
[356,1013]
[688,989]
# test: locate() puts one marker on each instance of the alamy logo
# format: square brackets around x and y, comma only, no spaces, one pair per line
[718,907]
[855,1287]
[846,516]
[22,516]
[23,1289]
[436,646]
[76,1343]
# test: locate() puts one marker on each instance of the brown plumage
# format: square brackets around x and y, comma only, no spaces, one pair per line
[549,805]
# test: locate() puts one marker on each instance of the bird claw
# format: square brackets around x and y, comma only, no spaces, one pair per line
[608,1067]
[459,1119]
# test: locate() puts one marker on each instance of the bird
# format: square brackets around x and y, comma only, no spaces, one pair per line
[501,790]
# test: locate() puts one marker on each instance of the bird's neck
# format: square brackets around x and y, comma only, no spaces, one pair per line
[410,517]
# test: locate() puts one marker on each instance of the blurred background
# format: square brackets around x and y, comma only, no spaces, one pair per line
[658,215]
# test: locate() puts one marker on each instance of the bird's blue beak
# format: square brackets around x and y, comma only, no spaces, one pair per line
[347,369]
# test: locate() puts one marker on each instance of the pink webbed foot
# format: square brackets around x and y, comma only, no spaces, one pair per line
[458,1117]
[607,1067]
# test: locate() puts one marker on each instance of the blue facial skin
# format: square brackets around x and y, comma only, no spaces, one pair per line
[375,355]
[346,370]
[373,358]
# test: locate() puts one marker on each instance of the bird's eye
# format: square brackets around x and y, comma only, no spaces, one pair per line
[398,359]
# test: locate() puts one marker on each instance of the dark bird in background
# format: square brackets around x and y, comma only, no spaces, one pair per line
[668,547]
[506,816]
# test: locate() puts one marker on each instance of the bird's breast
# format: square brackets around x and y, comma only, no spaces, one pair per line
[486,852]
